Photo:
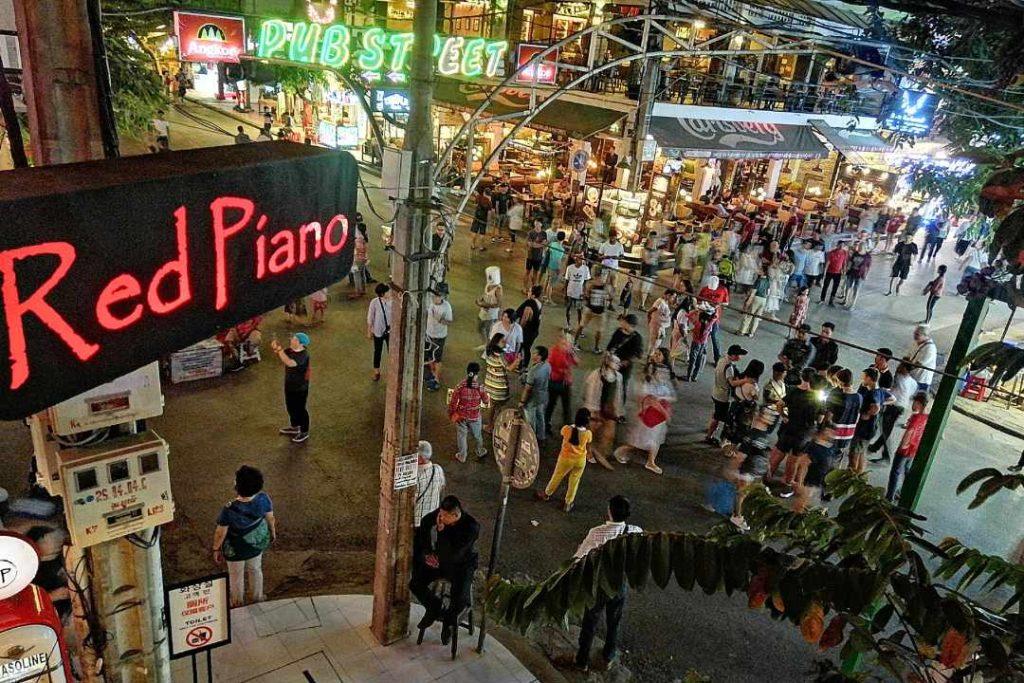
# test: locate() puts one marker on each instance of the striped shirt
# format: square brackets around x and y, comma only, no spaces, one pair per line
[599,296]
[600,535]
[430,483]
[466,401]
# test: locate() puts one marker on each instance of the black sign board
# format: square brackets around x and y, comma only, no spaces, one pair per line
[106,266]
[909,111]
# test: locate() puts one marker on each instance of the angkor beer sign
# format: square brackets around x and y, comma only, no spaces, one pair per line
[106,266]
[209,37]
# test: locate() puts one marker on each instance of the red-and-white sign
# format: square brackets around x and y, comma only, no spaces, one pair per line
[541,72]
[209,37]
[198,615]
[19,562]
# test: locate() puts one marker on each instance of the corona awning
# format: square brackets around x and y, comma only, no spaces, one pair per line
[580,121]
[846,140]
[734,139]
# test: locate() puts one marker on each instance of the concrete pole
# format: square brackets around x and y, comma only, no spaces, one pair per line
[648,89]
[65,126]
[410,278]
[59,80]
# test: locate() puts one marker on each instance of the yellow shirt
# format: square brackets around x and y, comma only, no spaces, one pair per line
[577,453]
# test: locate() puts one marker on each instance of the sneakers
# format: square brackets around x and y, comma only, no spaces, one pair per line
[459,457]
[300,437]
[739,522]
[288,431]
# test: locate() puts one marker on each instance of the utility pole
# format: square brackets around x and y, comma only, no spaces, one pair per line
[119,609]
[410,277]
[645,107]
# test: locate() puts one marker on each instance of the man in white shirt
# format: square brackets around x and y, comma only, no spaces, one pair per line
[618,513]
[378,325]
[611,251]
[900,395]
[576,275]
[430,483]
[925,354]
[163,131]
[439,317]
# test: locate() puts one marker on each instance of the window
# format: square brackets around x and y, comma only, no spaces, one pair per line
[150,462]
[85,480]
[118,471]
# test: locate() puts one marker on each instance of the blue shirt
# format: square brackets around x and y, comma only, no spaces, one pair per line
[799,261]
[821,462]
[242,516]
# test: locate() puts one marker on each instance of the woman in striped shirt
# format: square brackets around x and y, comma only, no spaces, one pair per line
[597,295]
[496,381]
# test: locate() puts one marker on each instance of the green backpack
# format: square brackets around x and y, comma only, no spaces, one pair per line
[249,543]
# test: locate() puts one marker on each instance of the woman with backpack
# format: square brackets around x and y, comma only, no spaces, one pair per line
[245,529]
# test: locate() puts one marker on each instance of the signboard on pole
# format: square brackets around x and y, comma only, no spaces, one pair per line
[198,615]
[209,38]
[407,471]
[541,72]
[523,470]
[910,111]
[106,266]
[579,160]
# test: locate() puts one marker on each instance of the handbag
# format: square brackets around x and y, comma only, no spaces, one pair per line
[651,415]
[244,545]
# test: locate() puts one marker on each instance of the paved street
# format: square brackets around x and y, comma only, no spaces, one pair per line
[325,492]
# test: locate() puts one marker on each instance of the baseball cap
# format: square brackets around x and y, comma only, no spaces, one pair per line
[737,350]
[303,338]
[631,319]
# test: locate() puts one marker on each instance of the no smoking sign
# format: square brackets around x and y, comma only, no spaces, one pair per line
[198,636]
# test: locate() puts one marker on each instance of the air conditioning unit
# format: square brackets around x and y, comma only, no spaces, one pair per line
[136,396]
[115,489]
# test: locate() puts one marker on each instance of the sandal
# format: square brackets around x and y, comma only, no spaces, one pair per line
[653,468]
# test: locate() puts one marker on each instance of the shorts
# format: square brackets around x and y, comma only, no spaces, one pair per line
[648,269]
[534,264]
[790,442]
[501,220]
[721,413]
[573,304]
[900,270]
[859,446]
[596,310]
[555,277]
[435,349]
[479,227]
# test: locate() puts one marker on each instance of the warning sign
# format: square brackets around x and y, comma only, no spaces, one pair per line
[198,615]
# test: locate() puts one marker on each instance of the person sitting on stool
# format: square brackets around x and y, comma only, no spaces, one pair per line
[444,547]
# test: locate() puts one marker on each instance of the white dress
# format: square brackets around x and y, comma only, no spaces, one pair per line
[779,275]
[747,269]
[641,436]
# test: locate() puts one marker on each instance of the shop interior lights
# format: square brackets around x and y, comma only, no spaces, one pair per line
[322,11]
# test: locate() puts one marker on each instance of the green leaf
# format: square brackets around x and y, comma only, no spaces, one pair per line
[684,561]
[709,572]
[881,618]
[638,559]
[996,652]
[661,559]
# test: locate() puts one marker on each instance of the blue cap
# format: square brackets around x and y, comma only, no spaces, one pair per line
[303,338]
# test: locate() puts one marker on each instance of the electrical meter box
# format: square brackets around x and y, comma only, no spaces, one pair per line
[136,396]
[115,489]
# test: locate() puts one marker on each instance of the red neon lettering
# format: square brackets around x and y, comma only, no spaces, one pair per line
[221,233]
[335,247]
[121,288]
[283,257]
[313,229]
[15,309]
[178,266]
[261,257]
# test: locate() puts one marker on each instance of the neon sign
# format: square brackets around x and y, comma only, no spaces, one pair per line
[149,255]
[910,112]
[209,38]
[375,53]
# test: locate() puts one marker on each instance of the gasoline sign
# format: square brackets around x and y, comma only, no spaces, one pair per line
[19,562]
[106,266]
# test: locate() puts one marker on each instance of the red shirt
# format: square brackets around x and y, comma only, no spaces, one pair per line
[562,361]
[466,402]
[836,261]
[718,297]
[912,437]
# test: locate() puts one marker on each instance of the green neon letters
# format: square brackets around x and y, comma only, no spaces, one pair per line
[376,49]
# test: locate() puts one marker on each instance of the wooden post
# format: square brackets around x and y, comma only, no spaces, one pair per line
[410,279]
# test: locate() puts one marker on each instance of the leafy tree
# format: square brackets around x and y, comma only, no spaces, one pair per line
[137,87]
[857,579]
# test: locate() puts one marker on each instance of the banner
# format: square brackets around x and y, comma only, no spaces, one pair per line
[209,38]
[106,266]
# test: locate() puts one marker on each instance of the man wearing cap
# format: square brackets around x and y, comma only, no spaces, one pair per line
[296,384]
[627,345]
[430,483]
[725,382]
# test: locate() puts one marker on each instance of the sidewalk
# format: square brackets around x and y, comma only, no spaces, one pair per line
[327,639]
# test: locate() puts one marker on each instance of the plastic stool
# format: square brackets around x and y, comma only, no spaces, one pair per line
[442,588]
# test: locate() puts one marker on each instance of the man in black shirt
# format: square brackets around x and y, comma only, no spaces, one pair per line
[444,547]
[296,384]
[528,315]
[802,409]
[796,354]
[881,363]
[826,351]
[628,346]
